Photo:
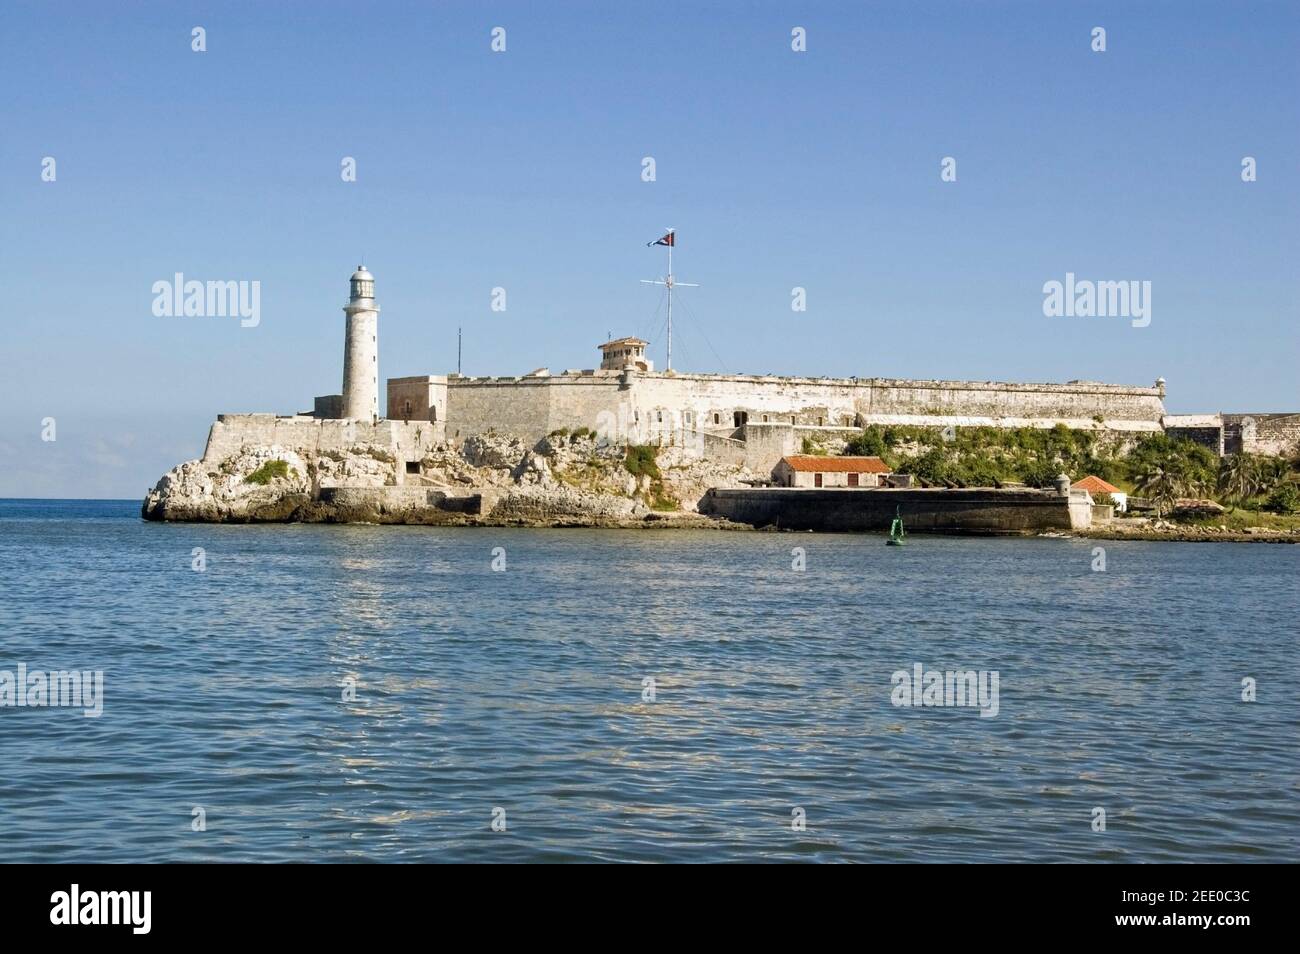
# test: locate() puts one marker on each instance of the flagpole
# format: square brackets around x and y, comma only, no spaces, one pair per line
[671,240]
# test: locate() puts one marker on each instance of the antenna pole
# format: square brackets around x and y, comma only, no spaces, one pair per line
[457,352]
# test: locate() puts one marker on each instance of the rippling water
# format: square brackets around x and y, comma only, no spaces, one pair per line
[522,690]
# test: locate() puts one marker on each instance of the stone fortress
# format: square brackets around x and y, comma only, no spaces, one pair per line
[741,419]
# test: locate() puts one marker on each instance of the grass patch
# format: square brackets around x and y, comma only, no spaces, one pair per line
[663,503]
[271,470]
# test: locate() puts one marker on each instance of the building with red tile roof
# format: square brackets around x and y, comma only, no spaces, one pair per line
[1096,486]
[808,470]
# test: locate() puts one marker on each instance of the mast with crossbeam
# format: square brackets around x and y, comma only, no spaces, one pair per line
[669,239]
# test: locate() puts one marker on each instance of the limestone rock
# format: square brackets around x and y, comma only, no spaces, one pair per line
[365,465]
[562,479]
[489,450]
[533,469]
[246,486]
[549,504]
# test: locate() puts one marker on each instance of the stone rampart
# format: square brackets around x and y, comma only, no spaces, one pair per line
[651,407]
[312,436]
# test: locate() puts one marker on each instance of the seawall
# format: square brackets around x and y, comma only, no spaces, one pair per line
[982,511]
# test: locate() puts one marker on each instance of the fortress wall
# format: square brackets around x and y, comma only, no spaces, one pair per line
[531,408]
[417,399]
[1082,401]
[715,447]
[713,400]
[519,407]
[837,402]
[1203,429]
[231,432]
[587,401]
[1272,434]
[766,444]
[661,408]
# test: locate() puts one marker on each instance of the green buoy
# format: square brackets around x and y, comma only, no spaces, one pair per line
[896,531]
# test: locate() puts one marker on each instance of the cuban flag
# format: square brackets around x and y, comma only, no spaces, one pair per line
[666,240]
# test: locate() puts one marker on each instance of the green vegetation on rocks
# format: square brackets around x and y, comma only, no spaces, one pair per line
[641,461]
[271,470]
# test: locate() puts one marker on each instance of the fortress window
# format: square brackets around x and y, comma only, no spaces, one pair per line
[433,414]
[764,418]
[659,416]
[716,419]
[412,466]
[686,417]
[817,480]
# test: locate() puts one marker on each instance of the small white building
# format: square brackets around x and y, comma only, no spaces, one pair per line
[1096,486]
[807,470]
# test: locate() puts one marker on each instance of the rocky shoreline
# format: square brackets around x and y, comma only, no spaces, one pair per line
[562,481]
[1175,533]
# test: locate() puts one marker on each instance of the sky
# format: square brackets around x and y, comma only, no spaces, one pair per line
[523,170]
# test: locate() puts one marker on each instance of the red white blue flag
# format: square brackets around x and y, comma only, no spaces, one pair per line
[666,240]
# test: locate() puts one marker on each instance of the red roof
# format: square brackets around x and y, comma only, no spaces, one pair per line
[1095,485]
[837,465]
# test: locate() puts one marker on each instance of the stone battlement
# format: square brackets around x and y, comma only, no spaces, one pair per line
[311,436]
[650,406]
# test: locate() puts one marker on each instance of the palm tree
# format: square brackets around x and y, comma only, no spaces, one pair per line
[1239,478]
[1270,474]
[1161,486]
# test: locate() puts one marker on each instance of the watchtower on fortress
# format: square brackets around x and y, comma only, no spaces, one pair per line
[625,353]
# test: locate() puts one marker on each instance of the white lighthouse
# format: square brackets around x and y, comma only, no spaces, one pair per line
[361,349]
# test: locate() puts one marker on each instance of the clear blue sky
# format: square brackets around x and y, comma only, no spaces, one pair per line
[522,170]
